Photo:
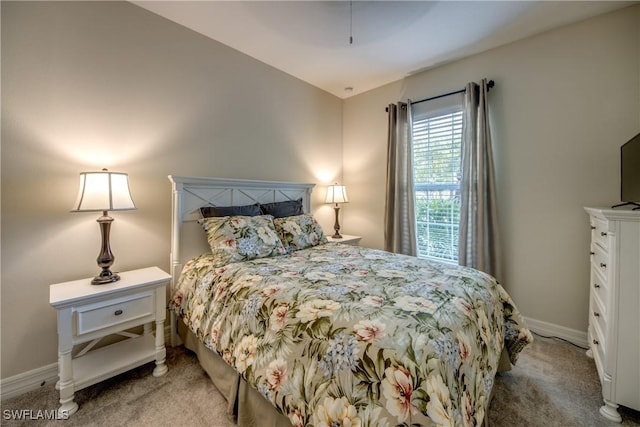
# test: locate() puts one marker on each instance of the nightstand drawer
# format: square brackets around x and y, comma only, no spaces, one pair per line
[93,317]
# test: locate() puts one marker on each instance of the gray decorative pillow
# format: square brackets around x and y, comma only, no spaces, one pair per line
[240,238]
[299,232]
[282,209]
[246,210]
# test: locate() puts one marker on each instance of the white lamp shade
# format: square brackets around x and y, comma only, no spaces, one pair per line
[103,191]
[337,194]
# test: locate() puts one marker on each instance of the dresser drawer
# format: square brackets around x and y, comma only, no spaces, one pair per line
[600,286]
[600,263]
[598,316]
[599,235]
[598,344]
[597,350]
[103,315]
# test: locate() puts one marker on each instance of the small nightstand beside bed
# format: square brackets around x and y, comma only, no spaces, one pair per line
[295,331]
[347,239]
[87,313]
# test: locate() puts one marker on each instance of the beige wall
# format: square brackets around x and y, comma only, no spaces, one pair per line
[108,84]
[563,103]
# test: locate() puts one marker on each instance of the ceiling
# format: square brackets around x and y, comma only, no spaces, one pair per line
[391,39]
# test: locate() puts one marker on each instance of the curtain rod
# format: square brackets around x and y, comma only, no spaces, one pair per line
[490,84]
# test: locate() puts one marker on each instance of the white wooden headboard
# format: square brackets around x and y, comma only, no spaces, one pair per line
[191,193]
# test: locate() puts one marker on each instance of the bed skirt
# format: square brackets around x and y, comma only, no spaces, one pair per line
[246,404]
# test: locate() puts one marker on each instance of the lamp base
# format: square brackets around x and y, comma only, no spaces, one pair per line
[336,226]
[105,277]
[105,258]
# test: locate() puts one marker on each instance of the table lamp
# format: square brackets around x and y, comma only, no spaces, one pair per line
[336,194]
[104,191]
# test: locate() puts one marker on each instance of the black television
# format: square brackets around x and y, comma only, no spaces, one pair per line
[630,173]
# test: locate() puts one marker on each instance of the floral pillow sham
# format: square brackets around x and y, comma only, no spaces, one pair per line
[299,232]
[241,238]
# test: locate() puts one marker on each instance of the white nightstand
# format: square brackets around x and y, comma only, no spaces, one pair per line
[87,313]
[346,239]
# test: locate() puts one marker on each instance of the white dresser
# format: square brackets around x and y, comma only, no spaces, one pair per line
[614,306]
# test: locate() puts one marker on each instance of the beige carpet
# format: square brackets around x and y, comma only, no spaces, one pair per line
[554,384]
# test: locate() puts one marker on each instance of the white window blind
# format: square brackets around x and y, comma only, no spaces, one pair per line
[437,151]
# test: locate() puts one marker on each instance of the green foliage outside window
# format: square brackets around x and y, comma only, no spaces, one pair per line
[437,221]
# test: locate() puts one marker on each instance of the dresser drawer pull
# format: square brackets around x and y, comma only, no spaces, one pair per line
[603,233]
[596,342]
[595,285]
[592,253]
[118,312]
[595,313]
[593,227]
[603,265]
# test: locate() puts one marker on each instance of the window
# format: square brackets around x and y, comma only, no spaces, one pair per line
[437,151]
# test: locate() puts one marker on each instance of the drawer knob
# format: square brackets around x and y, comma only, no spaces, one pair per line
[595,313]
[603,234]
[593,227]
[118,312]
[592,253]
[603,265]
[596,342]
[595,285]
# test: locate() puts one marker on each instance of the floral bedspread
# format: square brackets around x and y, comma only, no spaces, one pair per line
[339,335]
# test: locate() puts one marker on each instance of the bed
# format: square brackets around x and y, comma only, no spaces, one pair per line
[309,333]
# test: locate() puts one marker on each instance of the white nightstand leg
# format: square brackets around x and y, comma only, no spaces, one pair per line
[161,352]
[67,405]
[65,369]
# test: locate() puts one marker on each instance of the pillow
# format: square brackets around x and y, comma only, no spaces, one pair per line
[240,238]
[246,210]
[299,232]
[282,209]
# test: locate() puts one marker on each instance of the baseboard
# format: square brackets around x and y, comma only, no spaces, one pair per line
[546,329]
[28,381]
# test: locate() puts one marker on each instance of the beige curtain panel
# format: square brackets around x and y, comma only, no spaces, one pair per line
[399,219]
[479,240]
